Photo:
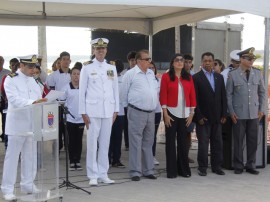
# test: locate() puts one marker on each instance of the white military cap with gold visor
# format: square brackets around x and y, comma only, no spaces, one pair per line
[100,43]
[30,60]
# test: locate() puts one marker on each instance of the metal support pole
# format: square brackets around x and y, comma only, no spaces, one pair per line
[151,38]
[266,72]
[177,39]
[193,41]
[42,49]
[226,42]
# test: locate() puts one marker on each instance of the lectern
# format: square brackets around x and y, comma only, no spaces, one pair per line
[45,134]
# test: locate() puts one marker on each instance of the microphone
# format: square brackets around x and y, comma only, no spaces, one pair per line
[45,88]
[38,80]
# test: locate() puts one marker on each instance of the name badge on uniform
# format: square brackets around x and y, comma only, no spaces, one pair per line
[94,76]
[110,74]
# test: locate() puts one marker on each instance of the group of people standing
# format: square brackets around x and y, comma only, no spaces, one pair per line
[107,101]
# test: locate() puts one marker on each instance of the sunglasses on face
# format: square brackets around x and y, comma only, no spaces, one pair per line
[249,58]
[235,62]
[146,59]
[179,60]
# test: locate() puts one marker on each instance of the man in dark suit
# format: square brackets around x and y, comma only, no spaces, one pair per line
[210,113]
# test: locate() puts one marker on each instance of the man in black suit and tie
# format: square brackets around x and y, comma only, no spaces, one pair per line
[210,113]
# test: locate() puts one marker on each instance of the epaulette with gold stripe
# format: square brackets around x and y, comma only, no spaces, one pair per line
[256,68]
[88,62]
[13,74]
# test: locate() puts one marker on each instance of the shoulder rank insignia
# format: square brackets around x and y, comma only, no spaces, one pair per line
[13,74]
[112,63]
[255,68]
[88,62]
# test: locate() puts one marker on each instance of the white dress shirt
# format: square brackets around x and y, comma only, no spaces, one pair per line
[98,93]
[180,111]
[121,107]
[72,103]
[140,89]
[21,91]
[58,79]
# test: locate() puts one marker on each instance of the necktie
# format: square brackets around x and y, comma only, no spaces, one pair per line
[247,74]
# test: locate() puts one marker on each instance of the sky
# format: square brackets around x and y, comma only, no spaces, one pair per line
[19,41]
[253,32]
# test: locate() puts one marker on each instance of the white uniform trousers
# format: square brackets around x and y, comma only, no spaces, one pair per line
[98,141]
[28,149]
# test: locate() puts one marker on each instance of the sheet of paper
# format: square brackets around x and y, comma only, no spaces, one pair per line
[54,94]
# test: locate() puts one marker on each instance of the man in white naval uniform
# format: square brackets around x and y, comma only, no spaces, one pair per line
[235,62]
[99,105]
[21,90]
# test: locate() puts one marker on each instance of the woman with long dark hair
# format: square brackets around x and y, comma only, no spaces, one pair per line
[178,101]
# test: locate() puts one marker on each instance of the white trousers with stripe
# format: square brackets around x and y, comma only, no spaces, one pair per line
[28,149]
[98,141]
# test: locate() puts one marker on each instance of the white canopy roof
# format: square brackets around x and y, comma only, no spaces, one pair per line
[144,16]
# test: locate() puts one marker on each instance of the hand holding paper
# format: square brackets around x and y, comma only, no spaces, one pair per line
[54,94]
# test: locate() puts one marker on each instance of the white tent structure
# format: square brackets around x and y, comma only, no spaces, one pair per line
[144,16]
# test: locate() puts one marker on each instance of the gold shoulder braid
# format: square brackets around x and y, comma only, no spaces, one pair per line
[88,62]
[13,75]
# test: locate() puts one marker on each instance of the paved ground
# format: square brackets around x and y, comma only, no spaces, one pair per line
[213,188]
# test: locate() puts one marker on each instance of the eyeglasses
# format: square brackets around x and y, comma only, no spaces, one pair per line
[179,60]
[249,58]
[146,59]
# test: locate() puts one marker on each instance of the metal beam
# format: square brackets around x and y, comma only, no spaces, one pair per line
[266,72]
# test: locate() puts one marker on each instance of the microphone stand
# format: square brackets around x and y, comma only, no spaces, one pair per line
[66,182]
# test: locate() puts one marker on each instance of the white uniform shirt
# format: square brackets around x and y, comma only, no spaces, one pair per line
[158,108]
[140,89]
[72,103]
[21,91]
[98,93]
[121,107]
[2,74]
[225,73]
[58,79]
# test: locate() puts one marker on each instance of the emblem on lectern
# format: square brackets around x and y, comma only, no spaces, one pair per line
[50,119]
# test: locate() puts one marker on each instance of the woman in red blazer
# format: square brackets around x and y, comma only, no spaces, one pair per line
[178,101]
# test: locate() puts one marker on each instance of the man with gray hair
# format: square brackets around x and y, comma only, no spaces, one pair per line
[139,94]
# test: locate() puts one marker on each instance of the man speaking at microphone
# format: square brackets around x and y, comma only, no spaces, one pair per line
[21,90]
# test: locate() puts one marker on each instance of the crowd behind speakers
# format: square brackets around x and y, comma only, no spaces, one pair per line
[108,100]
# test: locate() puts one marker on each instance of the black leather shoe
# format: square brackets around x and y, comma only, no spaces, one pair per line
[152,177]
[3,138]
[186,175]
[238,171]
[202,172]
[252,171]
[218,172]
[171,176]
[135,178]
